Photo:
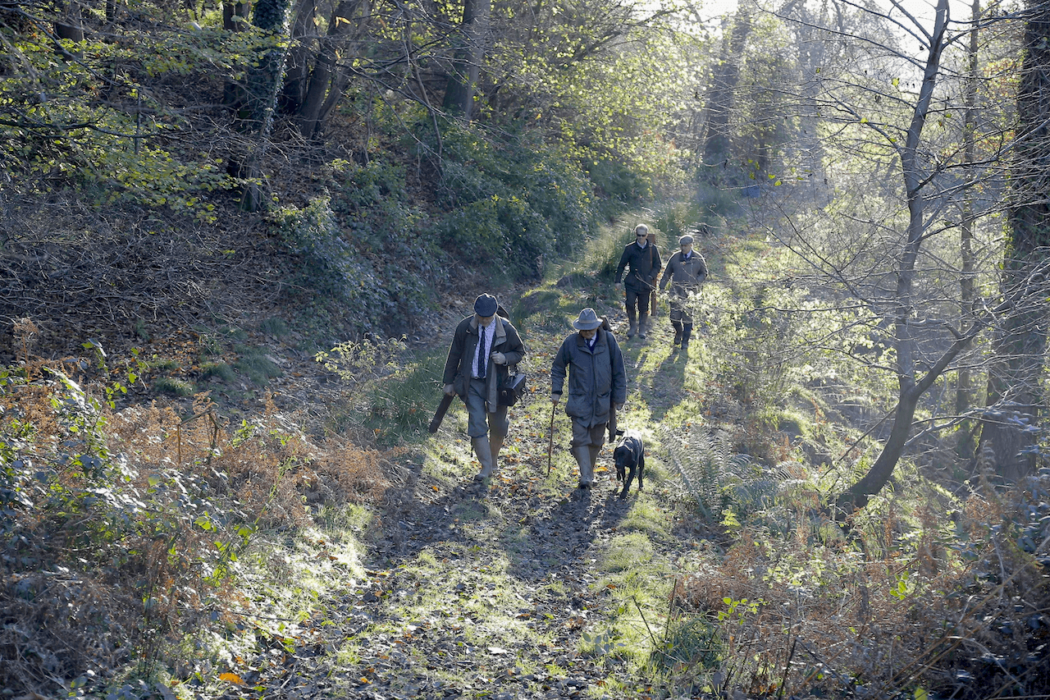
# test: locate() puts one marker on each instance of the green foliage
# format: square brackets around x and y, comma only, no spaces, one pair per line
[716,477]
[515,200]
[402,404]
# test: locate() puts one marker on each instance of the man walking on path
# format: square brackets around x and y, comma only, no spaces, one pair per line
[686,270]
[597,382]
[482,348]
[643,259]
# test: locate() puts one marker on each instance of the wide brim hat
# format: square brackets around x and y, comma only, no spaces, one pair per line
[485,305]
[587,321]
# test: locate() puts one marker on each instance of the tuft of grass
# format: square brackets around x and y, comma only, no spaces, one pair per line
[175,387]
[165,364]
[140,330]
[402,404]
[628,551]
[254,364]
[274,326]
[218,369]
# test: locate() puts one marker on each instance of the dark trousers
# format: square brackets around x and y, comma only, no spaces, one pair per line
[637,298]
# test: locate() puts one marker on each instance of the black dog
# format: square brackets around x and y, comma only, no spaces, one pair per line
[629,455]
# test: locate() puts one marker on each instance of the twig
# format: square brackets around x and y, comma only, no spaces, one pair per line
[651,635]
[787,669]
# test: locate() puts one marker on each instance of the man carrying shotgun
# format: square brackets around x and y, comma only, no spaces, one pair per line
[482,348]
[597,385]
[642,261]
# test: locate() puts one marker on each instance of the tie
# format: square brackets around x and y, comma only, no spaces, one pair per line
[481,354]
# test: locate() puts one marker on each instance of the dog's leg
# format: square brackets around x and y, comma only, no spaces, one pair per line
[641,470]
[627,482]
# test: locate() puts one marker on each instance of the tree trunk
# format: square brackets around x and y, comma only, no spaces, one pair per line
[70,25]
[264,84]
[349,20]
[964,388]
[720,93]
[235,19]
[303,37]
[466,66]
[911,388]
[1013,381]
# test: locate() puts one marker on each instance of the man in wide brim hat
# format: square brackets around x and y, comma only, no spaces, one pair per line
[593,363]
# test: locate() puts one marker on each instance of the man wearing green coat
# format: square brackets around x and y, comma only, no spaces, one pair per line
[597,382]
[482,348]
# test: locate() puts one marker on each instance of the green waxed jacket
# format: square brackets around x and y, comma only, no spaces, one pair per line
[596,379]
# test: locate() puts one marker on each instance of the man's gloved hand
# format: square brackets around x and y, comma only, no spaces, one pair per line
[619,407]
[449,389]
[499,358]
[555,398]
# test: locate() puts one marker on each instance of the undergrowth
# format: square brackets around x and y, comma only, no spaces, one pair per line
[140,515]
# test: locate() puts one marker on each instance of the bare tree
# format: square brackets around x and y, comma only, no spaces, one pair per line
[891,110]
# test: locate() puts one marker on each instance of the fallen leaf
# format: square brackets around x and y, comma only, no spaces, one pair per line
[231,678]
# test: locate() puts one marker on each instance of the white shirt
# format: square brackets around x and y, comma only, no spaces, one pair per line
[482,353]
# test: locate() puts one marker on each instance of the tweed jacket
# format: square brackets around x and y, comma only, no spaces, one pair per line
[685,275]
[461,356]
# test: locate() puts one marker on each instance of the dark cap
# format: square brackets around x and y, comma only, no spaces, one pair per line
[485,305]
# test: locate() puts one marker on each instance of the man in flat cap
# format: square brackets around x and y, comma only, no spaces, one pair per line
[686,270]
[597,382]
[642,260]
[483,346]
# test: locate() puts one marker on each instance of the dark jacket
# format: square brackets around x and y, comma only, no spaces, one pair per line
[685,275]
[596,380]
[461,356]
[644,263]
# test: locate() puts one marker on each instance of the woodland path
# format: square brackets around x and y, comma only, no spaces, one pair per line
[487,592]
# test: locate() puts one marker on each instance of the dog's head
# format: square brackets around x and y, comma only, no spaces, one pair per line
[624,456]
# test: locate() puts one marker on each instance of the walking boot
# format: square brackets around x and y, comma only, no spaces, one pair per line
[631,318]
[484,452]
[677,332]
[582,453]
[687,331]
[643,324]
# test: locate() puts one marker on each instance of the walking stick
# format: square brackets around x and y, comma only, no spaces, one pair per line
[550,443]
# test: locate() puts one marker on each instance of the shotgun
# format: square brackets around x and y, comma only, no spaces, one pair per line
[439,414]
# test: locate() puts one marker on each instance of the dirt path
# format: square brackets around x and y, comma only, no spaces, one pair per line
[528,588]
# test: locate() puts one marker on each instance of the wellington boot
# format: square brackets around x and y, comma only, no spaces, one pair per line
[687,333]
[582,453]
[484,452]
[677,332]
[632,319]
[643,324]
[595,451]
[495,445]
